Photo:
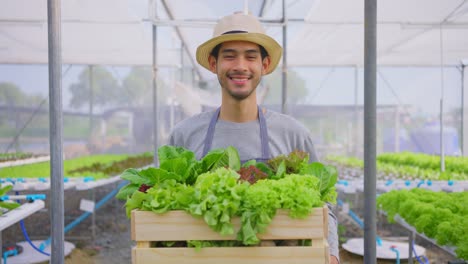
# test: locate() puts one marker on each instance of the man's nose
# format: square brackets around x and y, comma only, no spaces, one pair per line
[240,64]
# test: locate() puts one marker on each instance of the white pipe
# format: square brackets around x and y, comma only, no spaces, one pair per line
[20,213]
[24,161]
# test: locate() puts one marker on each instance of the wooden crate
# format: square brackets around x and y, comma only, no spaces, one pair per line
[180,226]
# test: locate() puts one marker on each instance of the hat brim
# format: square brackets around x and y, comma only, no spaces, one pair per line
[271,46]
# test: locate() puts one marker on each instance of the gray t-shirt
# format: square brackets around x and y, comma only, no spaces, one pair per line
[285,134]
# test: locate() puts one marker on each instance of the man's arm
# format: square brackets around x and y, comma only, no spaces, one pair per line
[333,237]
[332,221]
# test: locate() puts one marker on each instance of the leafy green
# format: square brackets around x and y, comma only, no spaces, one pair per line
[178,160]
[261,166]
[328,176]
[212,189]
[218,158]
[7,205]
[439,215]
[149,177]
[292,162]
[217,198]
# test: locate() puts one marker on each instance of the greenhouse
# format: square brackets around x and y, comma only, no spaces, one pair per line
[207,131]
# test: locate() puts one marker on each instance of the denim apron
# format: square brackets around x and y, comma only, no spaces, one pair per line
[263,136]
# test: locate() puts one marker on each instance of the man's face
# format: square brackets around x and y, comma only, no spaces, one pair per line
[239,68]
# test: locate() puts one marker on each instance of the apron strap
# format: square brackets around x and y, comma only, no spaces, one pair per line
[210,133]
[263,135]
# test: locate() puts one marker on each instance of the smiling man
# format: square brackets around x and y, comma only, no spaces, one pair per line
[240,53]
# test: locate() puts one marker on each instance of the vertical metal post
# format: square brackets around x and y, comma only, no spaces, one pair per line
[370,81]
[464,112]
[397,129]
[284,79]
[56,126]
[155,97]
[93,215]
[442,143]
[410,246]
[91,101]
[356,111]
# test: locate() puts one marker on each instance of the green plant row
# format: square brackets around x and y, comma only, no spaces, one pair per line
[439,215]
[97,166]
[421,160]
[14,156]
[405,171]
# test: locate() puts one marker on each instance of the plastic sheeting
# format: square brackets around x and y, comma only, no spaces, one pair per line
[320,33]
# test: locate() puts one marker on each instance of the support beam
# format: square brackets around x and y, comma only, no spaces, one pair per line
[370,128]
[155,97]
[56,128]
[284,86]
[182,39]
[464,136]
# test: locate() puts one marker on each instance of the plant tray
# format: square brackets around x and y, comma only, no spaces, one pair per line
[147,227]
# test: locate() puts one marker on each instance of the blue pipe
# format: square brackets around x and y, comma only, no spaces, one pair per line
[86,214]
[359,221]
[343,182]
[26,236]
[393,248]
[8,253]
[420,183]
[426,261]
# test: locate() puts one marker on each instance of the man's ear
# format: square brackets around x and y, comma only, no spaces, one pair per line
[212,62]
[266,64]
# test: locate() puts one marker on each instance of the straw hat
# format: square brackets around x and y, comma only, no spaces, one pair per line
[242,27]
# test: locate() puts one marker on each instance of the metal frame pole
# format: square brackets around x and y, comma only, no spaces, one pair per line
[442,88]
[284,78]
[370,113]
[411,238]
[91,101]
[155,97]
[464,113]
[56,127]
[356,113]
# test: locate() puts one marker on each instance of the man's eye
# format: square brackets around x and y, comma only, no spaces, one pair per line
[252,57]
[228,56]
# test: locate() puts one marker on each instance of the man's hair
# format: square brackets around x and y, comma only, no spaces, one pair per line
[215,51]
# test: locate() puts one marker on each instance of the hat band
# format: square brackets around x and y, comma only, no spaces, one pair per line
[234,32]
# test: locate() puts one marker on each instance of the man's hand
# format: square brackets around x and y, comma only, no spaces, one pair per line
[334,260]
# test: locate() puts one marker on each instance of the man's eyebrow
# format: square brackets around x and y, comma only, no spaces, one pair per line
[252,51]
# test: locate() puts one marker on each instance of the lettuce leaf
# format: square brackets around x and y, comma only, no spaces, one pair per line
[219,158]
[328,176]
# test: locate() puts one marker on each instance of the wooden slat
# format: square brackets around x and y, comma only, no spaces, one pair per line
[325,221]
[179,225]
[244,255]
[143,244]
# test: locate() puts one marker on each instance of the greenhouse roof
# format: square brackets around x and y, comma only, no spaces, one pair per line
[320,33]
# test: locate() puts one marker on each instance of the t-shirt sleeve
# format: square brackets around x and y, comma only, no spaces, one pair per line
[176,137]
[309,147]
[332,221]
[172,140]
